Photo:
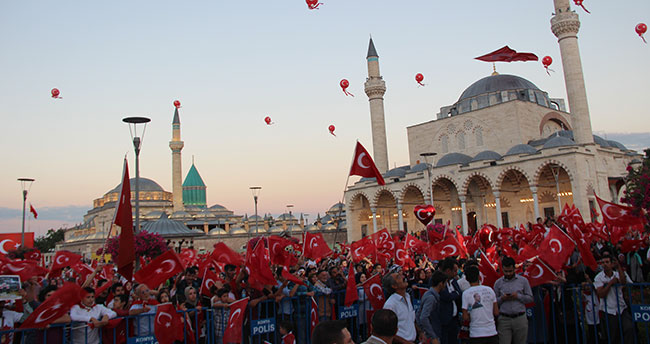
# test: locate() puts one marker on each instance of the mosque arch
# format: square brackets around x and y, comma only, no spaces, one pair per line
[541,168]
[411,190]
[485,179]
[446,196]
[555,178]
[556,118]
[359,213]
[510,170]
[478,192]
[386,209]
[450,179]
[412,195]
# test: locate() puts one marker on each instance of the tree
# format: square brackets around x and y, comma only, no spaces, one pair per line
[637,187]
[48,241]
[149,245]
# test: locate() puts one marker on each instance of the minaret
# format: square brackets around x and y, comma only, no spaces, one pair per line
[176,146]
[565,25]
[375,88]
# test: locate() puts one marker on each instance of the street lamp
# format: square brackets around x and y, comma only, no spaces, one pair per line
[256,192]
[429,172]
[25,184]
[289,206]
[133,123]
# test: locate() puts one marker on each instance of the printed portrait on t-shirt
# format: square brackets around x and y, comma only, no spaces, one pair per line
[477,301]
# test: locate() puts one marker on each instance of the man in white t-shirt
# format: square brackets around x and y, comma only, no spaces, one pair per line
[400,302]
[7,321]
[146,308]
[618,318]
[479,308]
[87,311]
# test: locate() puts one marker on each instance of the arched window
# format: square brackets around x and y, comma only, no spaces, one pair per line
[444,140]
[479,136]
[461,140]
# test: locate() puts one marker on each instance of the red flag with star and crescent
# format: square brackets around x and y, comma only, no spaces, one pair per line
[224,254]
[556,248]
[488,274]
[538,273]
[160,269]
[11,241]
[235,320]
[62,259]
[351,293]
[362,248]
[168,324]
[33,211]
[363,166]
[54,306]
[124,219]
[313,315]
[315,246]
[374,292]
[619,219]
[210,278]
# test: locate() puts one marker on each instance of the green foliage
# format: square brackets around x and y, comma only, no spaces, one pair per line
[637,187]
[48,241]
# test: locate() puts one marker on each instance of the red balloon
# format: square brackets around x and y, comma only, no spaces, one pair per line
[177,103]
[331,129]
[55,93]
[579,3]
[419,77]
[546,61]
[344,85]
[267,119]
[640,29]
[313,4]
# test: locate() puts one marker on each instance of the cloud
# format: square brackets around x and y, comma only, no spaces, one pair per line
[48,217]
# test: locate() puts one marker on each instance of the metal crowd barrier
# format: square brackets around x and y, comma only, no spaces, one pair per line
[559,314]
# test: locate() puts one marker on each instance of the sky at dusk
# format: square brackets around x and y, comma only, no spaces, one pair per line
[231,63]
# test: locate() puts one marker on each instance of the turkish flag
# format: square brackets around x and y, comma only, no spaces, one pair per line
[223,254]
[11,241]
[315,246]
[446,248]
[54,306]
[363,166]
[619,219]
[629,245]
[188,257]
[415,244]
[488,274]
[556,248]
[374,292]
[351,294]
[362,248]
[259,265]
[563,218]
[583,246]
[507,250]
[26,269]
[33,211]
[383,240]
[402,256]
[168,324]
[539,273]
[210,278]
[33,254]
[233,333]
[313,315]
[526,251]
[281,251]
[290,277]
[107,272]
[61,260]
[83,270]
[124,219]
[160,269]
[506,54]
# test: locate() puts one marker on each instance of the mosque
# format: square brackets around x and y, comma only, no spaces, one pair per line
[183,217]
[505,153]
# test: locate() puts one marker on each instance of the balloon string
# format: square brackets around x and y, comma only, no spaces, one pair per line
[348,93]
[583,7]
[643,38]
[421,84]
[332,133]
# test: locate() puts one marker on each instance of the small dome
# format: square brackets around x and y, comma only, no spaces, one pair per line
[558,141]
[395,173]
[487,155]
[454,159]
[146,184]
[252,218]
[181,215]
[419,167]
[601,141]
[156,214]
[238,230]
[217,206]
[521,149]
[286,216]
[617,145]
[217,231]
[337,207]
[169,228]
[276,229]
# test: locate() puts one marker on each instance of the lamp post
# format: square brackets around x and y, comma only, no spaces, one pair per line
[133,123]
[256,192]
[555,169]
[429,171]
[289,206]
[25,184]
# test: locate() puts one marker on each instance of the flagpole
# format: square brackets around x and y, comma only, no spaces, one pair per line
[347,180]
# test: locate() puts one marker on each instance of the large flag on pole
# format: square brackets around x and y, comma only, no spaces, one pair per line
[124,219]
[363,166]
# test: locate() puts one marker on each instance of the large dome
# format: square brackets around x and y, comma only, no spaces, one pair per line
[146,184]
[497,83]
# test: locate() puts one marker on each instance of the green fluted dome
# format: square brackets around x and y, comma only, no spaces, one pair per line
[194,189]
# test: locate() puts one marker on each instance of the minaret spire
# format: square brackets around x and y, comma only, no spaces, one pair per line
[565,25]
[176,145]
[375,88]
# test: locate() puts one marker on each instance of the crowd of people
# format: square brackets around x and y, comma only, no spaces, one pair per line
[436,301]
